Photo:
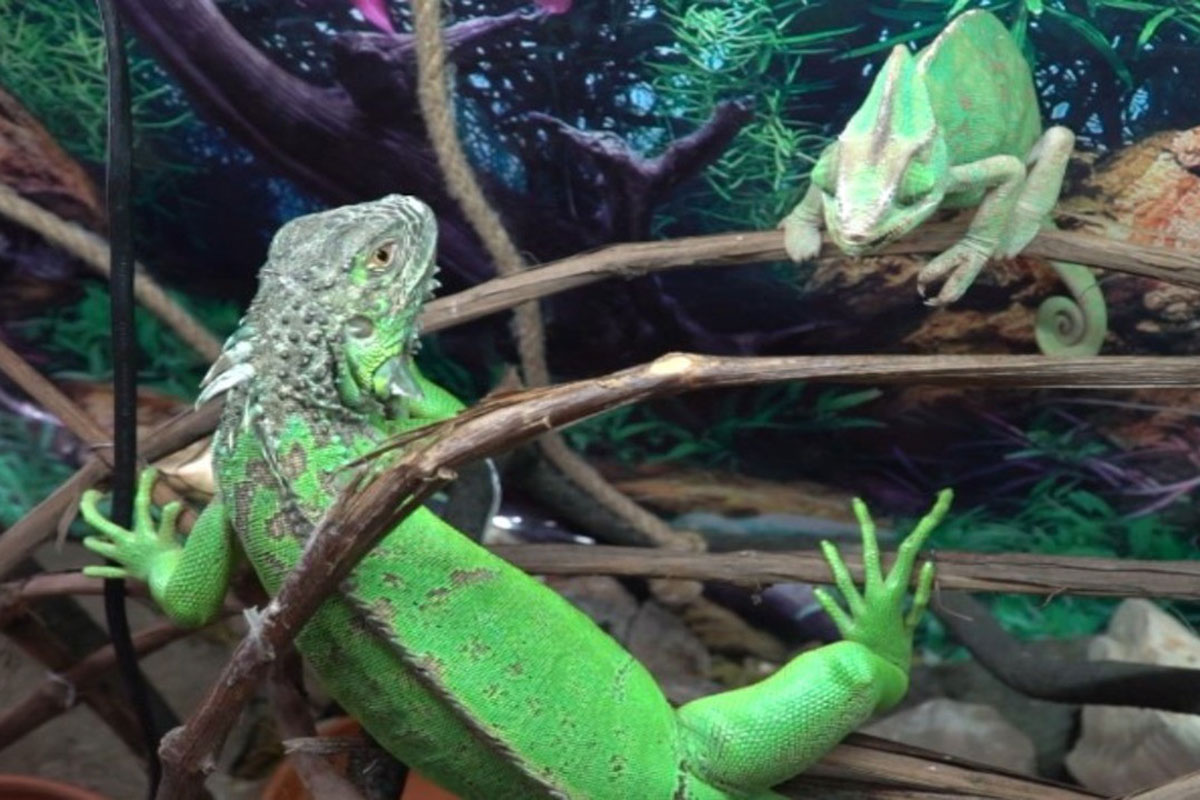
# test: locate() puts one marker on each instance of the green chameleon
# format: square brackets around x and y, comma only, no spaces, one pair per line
[955,125]
[458,663]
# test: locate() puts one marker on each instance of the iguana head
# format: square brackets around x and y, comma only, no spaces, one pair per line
[388,255]
[335,317]
[888,170]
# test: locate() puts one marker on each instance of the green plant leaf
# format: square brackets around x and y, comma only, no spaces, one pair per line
[1152,24]
[1097,40]
[958,6]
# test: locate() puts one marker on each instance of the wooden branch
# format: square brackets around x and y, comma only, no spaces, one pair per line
[57,633]
[60,692]
[748,247]
[1184,788]
[1015,573]
[52,584]
[361,515]
[53,400]
[867,758]
[660,378]
[15,593]
[295,722]
[328,557]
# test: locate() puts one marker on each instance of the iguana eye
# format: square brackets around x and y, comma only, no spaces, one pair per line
[382,256]
[360,327]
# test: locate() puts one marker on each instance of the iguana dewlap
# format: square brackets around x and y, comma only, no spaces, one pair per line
[955,125]
[458,663]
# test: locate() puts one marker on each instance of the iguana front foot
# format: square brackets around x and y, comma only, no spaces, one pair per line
[186,579]
[747,740]
[876,617]
[147,553]
[956,269]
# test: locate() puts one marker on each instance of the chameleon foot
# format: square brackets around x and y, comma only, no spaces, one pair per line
[956,269]
[146,553]
[801,240]
[876,617]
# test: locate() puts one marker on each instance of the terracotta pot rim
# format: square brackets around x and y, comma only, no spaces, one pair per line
[38,786]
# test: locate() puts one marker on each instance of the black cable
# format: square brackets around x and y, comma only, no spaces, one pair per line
[118,193]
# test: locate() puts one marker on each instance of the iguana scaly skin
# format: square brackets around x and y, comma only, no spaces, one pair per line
[458,663]
[956,125]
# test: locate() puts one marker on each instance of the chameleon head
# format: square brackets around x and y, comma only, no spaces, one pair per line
[888,170]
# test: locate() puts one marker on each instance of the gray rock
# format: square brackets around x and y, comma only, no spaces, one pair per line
[1124,749]
[972,731]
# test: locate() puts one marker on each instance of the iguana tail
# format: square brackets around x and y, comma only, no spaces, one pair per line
[1072,326]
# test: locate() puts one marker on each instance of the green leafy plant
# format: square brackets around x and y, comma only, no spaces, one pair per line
[723,49]
[76,338]
[924,19]
[28,469]
[1058,518]
[54,63]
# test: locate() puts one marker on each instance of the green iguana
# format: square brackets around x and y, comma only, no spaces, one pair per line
[458,663]
[956,125]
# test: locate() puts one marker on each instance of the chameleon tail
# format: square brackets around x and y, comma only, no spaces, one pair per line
[1074,326]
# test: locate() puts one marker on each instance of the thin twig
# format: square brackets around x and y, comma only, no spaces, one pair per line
[295,722]
[94,251]
[51,398]
[54,584]
[1186,787]
[879,761]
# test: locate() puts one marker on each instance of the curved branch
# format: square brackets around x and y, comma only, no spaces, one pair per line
[633,185]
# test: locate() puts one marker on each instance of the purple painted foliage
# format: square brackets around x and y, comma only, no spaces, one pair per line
[375,12]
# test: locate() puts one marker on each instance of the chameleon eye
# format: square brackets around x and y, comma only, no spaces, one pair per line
[917,182]
[382,256]
[824,173]
[360,327]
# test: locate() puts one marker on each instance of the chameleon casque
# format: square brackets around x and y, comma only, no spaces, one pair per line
[953,126]
[458,663]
